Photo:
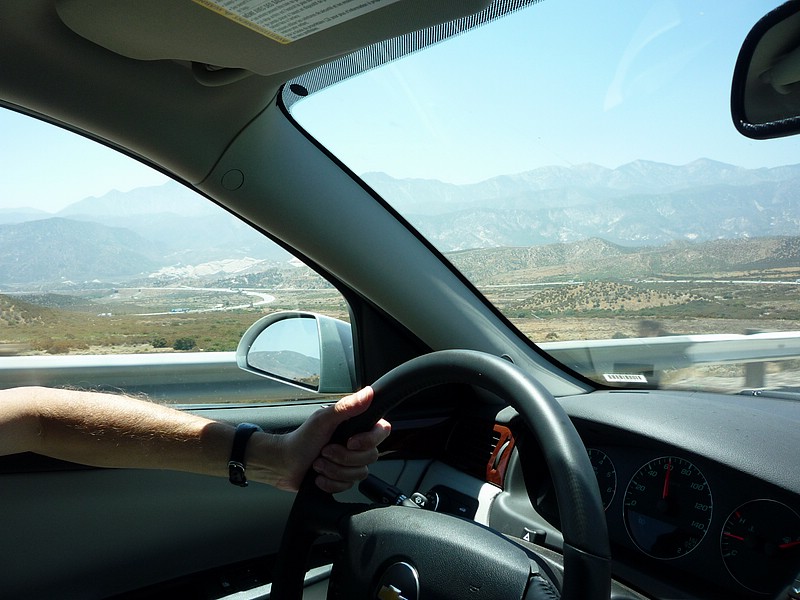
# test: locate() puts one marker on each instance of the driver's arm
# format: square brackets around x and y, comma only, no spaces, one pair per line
[109,430]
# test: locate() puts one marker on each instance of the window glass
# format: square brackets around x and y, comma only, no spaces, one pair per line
[593,186]
[111,272]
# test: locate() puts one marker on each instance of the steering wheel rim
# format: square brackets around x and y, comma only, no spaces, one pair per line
[586,548]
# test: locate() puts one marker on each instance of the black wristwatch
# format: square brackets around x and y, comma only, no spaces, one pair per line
[236,464]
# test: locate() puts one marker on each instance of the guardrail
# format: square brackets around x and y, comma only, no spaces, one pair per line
[179,378]
[651,356]
[213,377]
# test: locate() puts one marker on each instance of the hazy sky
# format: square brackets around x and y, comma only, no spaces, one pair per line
[560,83]
[550,87]
[49,168]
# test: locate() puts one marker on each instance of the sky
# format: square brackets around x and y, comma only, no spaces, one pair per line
[550,86]
[523,94]
[48,168]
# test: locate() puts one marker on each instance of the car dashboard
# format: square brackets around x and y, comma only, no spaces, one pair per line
[700,491]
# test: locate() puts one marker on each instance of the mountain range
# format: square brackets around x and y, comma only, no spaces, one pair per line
[641,203]
[170,231]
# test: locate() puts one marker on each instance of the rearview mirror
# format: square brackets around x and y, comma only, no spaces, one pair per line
[307,350]
[765,95]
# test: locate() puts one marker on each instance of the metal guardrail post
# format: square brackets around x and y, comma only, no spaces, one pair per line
[754,372]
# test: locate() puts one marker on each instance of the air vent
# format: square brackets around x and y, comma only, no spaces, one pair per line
[480,448]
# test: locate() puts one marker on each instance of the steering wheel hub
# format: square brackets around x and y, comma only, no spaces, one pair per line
[400,581]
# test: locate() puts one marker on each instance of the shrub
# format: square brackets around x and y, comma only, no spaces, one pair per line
[184,344]
[59,347]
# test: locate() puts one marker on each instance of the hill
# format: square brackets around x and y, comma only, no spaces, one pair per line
[167,233]
[641,203]
[59,249]
[600,259]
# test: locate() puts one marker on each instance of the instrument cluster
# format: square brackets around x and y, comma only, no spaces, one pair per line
[670,510]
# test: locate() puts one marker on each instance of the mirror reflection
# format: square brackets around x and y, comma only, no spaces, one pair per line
[288,349]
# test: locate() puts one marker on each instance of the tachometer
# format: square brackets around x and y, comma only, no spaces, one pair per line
[760,545]
[667,507]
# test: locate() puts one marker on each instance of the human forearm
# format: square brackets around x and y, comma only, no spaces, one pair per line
[112,431]
[108,430]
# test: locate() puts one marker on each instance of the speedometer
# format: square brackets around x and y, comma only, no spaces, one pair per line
[667,507]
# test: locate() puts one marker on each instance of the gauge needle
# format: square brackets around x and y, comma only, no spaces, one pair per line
[730,535]
[666,481]
[789,545]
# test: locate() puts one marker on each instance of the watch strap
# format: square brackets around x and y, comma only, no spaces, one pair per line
[236,463]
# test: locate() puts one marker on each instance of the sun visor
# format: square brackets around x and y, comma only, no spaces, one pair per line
[266,37]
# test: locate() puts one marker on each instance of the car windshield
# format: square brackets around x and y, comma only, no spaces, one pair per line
[592,186]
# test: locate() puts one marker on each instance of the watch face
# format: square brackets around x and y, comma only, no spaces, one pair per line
[236,474]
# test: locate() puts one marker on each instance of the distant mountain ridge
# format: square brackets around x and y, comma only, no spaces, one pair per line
[641,203]
[586,182]
[59,249]
[586,209]
[168,198]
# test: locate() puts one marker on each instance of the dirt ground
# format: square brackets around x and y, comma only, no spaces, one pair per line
[599,328]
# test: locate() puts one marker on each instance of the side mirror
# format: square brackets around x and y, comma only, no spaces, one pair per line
[307,350]
[765,95]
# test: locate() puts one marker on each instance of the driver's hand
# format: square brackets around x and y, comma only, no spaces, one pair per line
[338,467]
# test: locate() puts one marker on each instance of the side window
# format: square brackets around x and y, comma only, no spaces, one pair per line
[113,276]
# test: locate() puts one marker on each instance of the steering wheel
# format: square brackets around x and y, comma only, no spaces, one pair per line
[439,556]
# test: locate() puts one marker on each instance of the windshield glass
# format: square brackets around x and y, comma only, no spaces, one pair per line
[577,161]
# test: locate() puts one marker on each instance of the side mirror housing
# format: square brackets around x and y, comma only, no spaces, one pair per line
[308,350]
[765,95]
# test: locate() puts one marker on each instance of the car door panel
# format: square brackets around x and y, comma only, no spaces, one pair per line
[92,533]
